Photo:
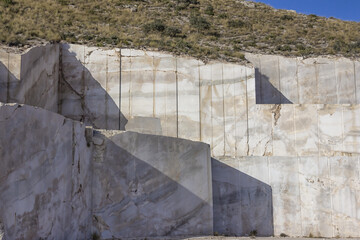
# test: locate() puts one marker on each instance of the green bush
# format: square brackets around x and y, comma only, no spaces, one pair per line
[236,23]
[199,22]
[155,26]
[209,10]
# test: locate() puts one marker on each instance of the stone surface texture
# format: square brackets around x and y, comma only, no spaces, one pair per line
[31,78]
[284,139]
[57,181]
[146,185]
[45,184]
[320,80]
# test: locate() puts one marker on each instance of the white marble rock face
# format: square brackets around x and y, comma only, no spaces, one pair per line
[31,78]
[320,80]
[148,185]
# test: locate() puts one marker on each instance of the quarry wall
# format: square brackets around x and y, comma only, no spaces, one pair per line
[57,181]
[31,78]
[45,189]
[294,165]
[320,80]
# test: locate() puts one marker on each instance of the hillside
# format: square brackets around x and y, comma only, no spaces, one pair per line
[220,29]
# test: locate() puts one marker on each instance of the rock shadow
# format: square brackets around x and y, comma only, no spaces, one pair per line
[132,198]
[266,93]
[83,98]
[9,84]
[242,205]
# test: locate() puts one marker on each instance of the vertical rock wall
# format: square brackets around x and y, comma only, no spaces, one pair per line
[317,80]
[31,78]
[45,184]
[146,185]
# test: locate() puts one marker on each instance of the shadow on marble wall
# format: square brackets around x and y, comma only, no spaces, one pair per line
[242,205]
[84,99]
[266,92]
[9,85]
[133,198]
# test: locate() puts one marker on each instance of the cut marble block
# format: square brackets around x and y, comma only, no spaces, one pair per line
[351,129]
[260,130]
[125,101]
[288,80]
[344,175]
[45,184]
[217,109]
[325,77]
[345,78]
[284,130]
[315,197]
[147,125]
[307,130]
[284,181]
[206,103]
[102,85]
[142,86]
[307,82]
[14,81]
[4,73]
[357,81]
[330,130]
[188,98]
[242,203]
[138,188]
[165,93]
[243,76]
[270,79]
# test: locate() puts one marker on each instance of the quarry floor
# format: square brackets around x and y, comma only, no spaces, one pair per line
[235,238]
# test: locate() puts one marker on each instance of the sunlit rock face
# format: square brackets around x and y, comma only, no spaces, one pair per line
[281,155]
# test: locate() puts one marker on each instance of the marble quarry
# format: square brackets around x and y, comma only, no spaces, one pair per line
[134,143]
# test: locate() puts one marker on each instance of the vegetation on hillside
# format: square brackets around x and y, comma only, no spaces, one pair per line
[220,29]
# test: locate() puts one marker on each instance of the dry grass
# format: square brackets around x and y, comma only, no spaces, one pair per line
[217,29]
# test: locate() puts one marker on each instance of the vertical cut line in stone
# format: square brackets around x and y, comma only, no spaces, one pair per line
[317,83]
[177,98]
[223,102]
[342,129]
[199,74]
[247,109]
[211,113]
[331,197]
[297,81]
[261,100]
[318,128]
[130,85]
[337,84]
[279,76]
[299,185]
[107,92]
[235,118]
[154,89]
[8,79]
[354,63]
[120,76]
